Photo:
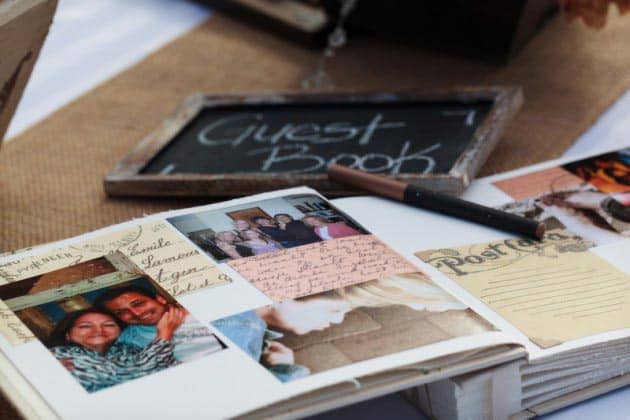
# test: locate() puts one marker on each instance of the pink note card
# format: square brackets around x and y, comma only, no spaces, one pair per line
[314,268]
[537,183]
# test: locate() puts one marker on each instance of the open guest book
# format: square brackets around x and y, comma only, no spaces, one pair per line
[287,304]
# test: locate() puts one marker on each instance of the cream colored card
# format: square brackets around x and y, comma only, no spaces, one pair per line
[154,247]
[553,291]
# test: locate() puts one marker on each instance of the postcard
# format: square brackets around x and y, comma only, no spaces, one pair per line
[554,290]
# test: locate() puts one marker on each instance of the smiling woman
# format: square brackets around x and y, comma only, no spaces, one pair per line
[107,322]
[85,343]
[92,330]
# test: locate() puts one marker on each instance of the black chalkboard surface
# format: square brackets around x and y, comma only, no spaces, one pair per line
[245,144]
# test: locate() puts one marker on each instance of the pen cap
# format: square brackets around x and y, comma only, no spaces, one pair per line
[377,184]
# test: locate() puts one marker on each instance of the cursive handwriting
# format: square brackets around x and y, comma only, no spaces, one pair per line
[231,131]
[37,263]
[370,162]
[190,279]
[12,328]
[152,262]
[139,249]
[294,144]
[319,267]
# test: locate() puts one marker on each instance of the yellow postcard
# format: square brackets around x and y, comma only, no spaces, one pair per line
[553,291]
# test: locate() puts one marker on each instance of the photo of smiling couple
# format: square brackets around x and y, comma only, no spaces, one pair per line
[105,336]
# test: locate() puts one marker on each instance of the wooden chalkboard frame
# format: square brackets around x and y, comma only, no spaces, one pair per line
[126,178]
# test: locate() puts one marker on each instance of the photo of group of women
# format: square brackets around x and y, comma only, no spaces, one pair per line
[312,334]
[266,226]
[107,325]
[596,207]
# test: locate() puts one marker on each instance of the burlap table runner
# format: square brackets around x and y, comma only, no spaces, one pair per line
[51,177]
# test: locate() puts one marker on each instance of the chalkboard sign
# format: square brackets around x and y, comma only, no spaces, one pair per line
[234,145]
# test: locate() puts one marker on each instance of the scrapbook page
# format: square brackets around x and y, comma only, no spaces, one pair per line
[223,308]
[571,289]
[234,306]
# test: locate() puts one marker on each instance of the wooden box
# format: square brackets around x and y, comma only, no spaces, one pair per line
[23,27]
[492,30]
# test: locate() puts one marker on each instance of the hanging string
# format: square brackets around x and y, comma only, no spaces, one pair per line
[320,79]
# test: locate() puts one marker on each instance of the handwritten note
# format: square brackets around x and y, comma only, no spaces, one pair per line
[319,267]
[553,291]
[154,247]
[173,262]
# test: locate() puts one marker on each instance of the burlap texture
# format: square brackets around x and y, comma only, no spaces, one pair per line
[51,177]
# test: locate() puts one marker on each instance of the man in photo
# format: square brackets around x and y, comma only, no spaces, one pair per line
[142,309]
[303,234]
[285,230]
